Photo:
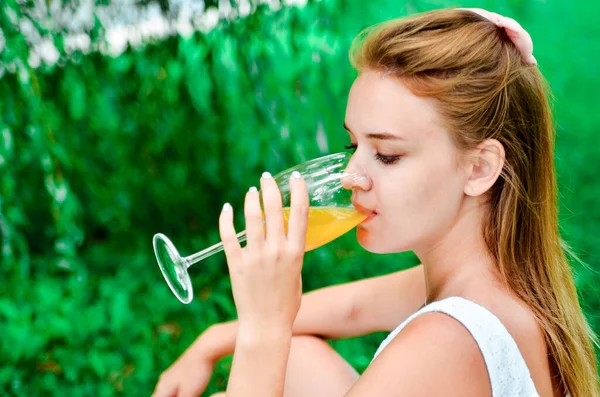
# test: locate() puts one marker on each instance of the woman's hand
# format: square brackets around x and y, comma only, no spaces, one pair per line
[187,377]
[266,274]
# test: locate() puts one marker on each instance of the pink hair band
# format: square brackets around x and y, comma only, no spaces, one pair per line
[516,33]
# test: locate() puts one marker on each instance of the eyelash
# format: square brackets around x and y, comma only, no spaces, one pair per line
[387,160]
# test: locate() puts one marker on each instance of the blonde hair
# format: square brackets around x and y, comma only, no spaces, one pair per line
[484,90]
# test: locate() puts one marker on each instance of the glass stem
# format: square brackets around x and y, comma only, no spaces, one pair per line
[213,249]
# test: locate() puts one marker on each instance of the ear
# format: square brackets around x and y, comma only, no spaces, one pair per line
[485,164]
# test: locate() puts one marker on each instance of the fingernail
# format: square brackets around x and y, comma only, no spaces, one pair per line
[252,189]
[226,207]
[296,175]
[266,175]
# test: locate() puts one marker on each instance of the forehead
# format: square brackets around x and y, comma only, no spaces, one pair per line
[379,102]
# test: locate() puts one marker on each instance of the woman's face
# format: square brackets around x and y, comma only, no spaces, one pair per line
[414,185]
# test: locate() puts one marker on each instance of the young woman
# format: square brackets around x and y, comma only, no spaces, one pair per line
[450,122]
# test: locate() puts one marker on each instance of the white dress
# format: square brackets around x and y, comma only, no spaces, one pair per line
[508,372]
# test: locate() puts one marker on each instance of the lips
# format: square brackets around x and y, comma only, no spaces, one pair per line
[370,214]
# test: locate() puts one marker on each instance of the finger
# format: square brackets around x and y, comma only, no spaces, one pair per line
[165,391]
[231,245]
[298,222]
[189,392]
[255,232]
[273,208]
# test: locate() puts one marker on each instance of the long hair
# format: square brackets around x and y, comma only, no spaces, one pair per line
[484,90]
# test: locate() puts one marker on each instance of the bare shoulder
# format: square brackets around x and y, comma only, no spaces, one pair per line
[434,355]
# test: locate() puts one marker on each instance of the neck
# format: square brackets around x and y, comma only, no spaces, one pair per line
[459,260]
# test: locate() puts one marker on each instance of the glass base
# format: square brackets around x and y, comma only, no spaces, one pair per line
[173,268]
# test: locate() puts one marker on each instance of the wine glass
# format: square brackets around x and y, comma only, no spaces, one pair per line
[331,214]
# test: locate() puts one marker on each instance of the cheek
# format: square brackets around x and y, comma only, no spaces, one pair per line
[436,206]
[413,189]
[421,201]
[435,190]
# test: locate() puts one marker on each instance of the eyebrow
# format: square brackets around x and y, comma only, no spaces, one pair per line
[386,136]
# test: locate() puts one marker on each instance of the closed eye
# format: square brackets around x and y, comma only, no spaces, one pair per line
[387,160]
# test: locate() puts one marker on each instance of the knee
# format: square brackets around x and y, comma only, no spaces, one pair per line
[302,342]
[316,369]
[308,353]
[308,347]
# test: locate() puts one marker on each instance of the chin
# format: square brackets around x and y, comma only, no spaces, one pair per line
[379,244]
[372,244]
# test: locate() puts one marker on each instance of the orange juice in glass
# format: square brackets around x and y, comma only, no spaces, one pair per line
[325,224]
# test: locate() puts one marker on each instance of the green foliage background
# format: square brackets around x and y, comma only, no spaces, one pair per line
[100,153]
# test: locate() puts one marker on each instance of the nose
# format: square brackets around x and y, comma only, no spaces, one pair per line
[355,177]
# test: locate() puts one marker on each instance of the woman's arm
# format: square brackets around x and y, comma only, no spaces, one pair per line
[382,303]
[260,361]
[339,311]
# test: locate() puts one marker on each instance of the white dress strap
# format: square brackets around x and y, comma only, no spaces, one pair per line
[508,372]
